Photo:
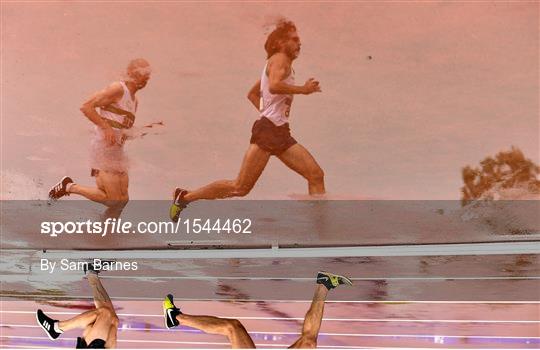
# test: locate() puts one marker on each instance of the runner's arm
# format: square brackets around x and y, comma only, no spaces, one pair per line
[105,97]
[254,94]
[278,69]
[109,95]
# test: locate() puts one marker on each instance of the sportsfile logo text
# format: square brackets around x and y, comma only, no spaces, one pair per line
[119,226]
[109,226]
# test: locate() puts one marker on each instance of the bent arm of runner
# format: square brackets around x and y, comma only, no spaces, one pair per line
[109,95]
[278,69]
[254,94]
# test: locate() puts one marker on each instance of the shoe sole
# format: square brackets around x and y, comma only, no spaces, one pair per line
[177,191]
[348,280]
[176,215]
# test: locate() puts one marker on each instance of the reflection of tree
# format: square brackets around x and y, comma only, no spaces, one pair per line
[508,169]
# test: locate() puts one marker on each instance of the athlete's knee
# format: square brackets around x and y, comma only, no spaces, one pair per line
[117,202]
[124,199]
[241,190]
[109,314]
[316,175]
[114,320]
[308,342]
[233,326]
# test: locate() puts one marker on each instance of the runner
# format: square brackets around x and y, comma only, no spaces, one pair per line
[100,325]
[235,331]
[272,95]
[117,107]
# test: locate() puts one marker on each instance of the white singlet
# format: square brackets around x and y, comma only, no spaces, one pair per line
[275,107]
[104,156]
[126,103]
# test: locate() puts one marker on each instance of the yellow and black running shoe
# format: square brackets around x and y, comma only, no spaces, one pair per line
[170,312]
[178,204]
[331,281]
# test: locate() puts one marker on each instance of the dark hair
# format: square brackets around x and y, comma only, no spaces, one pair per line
[283,28]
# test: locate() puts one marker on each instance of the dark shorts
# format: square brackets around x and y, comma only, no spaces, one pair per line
[271,138]
[94,344]
[95,172]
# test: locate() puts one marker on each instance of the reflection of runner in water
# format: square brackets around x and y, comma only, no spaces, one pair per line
[235,331]
[100,325]
[272,95]
[118,105]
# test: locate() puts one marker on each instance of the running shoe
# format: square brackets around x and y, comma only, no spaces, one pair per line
[331,281]
[60,189]
[178,204]
[49,325]
[170,311]
[90,268]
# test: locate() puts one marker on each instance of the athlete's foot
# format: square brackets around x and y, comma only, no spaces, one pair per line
[60,189]
[178,204]
[331,281]
[49,325]
[170,312]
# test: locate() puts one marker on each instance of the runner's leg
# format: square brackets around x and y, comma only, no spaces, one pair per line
[111,191]
[111,186]
[101,298]
[106,324]
[231,328]
[92,193]
[79,321]
[104,327]
[313,320]
[254,162]
[300,160]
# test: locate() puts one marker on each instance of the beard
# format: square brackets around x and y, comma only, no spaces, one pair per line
[292,53]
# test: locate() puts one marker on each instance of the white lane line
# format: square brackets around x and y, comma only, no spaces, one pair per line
[56,296]
[263,345]
[473,278]
[364,335]
[43,277]
[135,329]
[119,340]
[9,346]
[256,318]
[495,248]
[46,277]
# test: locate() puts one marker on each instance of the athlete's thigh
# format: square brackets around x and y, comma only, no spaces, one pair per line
[254,162]
[100,329]
[298,158]
[123,179]
[112,183]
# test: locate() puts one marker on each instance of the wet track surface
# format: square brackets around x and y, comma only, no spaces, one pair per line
[446,301]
